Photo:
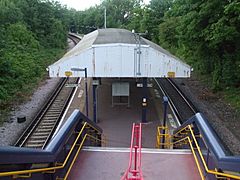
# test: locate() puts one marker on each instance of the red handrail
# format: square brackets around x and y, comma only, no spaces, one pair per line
[134,171]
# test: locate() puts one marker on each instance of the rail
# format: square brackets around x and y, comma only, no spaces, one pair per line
[70,138]
[178,102]
[136,145]
[74,37]
[40,113]
[210,156]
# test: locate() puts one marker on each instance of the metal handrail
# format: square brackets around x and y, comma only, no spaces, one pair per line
[202,160]
[137,171]
[186,135]
[76,155]
[50,150]
[224,160]
[62,164]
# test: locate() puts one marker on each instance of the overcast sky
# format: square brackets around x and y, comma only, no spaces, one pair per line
[83,4]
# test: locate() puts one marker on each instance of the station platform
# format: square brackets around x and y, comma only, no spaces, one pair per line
[111,163]
[117,121]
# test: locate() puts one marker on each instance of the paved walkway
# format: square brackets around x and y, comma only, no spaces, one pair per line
[106,164]
[117,121]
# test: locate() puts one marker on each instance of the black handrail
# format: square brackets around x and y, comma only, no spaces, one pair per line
[222,158]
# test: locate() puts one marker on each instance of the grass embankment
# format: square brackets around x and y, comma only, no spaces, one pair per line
[18,88]
[232,96]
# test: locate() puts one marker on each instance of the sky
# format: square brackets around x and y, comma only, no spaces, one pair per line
[83,4]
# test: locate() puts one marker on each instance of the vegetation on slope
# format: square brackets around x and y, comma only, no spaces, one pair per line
[32,36]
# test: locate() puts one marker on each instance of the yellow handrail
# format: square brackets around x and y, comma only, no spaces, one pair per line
[201,156]
[22,172]
[194,155]
[76,155]
[160,136]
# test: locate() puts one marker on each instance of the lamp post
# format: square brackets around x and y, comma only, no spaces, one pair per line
[138,73]
[105,17]
[139,52]
[86,86]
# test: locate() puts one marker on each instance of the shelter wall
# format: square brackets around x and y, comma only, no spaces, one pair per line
[120,60]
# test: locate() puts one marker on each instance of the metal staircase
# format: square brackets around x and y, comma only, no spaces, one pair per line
[212,159]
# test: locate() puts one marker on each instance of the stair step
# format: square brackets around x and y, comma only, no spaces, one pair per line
[144,150]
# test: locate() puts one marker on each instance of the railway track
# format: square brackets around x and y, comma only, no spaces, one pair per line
[40,131]
[43,126]
[182,107]
[74,38]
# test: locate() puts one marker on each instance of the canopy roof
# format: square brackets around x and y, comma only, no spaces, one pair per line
[115,53]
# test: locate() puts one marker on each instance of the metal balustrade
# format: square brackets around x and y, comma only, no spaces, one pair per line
[59,156]
[134,170]
[211,158]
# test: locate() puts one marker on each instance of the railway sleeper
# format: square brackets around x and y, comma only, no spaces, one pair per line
[51,115]
[49,119]
[45,127]
[39,137]
[58,100]
[46,121]
[43,130]
[57,107]
[54,110]
[34,145]
[45,133]
[35,141]
[47,124]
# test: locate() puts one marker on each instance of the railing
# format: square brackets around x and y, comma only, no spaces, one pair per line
[58,157]
[163,137]
[211,158]
[134,170]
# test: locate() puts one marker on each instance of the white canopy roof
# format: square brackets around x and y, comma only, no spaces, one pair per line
[115,53]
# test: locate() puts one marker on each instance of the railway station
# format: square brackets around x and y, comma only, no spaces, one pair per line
[119,122]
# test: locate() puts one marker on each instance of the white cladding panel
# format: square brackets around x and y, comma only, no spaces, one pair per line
[120,60]
[114,61]
[82,60]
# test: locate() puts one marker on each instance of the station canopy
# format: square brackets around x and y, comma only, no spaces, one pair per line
[118,53]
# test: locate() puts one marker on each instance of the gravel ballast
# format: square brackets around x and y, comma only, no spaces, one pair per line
[222,117]
[11,129]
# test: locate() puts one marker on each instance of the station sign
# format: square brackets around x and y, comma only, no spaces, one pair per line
[171,74]
[68,73]
[140,85]
[95,82]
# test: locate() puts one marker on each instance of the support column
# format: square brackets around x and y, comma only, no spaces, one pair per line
[144,101]
[94,103]
[95,84]
[86,91]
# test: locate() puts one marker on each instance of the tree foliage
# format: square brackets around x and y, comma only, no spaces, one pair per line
[32,34]
[206,34]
